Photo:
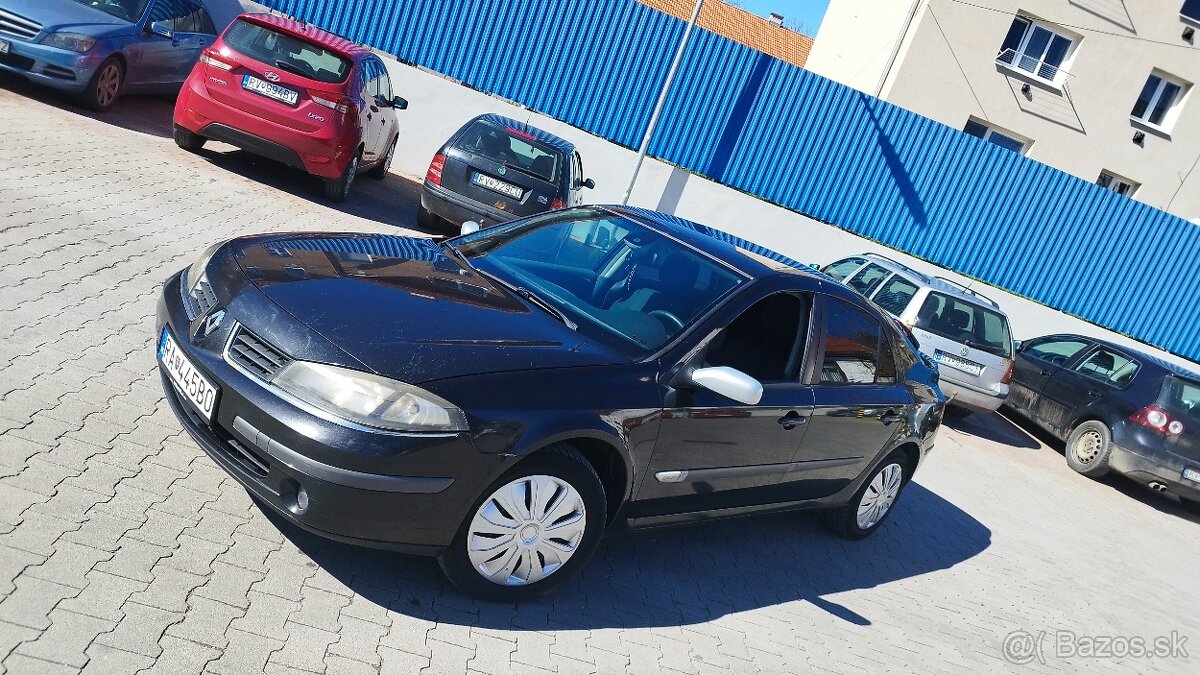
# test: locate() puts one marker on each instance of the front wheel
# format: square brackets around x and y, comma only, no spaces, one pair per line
[104,87]
[531,531]
[873,502]
[338,189]
[1088,449]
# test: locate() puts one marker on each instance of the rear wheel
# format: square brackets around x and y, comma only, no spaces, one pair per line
[187,140]
[380,170]
[428,220]
[104,87]
[873,502]
[338,189]
[531,531]
[1088,449]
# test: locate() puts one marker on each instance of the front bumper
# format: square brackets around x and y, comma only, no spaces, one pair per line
[406,492]
[57,68]
[965,396]
[1160,467]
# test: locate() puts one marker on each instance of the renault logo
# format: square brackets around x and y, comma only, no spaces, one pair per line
[209,325]
[271,75]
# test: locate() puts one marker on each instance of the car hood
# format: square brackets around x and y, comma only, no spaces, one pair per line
[407,311]
[67,15]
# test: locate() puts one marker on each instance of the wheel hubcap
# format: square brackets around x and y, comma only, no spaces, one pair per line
[1088,446]
[109,84]
[526,530]
[880,495]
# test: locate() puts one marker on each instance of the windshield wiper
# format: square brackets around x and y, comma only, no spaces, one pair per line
[527,172]
[519,290]
[284,65]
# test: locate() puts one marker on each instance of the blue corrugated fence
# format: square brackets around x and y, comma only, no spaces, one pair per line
[794,138]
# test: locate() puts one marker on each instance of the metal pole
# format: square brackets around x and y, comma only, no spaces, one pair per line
[891,62]
[662,101]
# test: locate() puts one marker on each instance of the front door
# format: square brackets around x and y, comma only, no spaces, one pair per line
[1036,363]
[716,453]
[166,62]
[372,114]
[1072,390]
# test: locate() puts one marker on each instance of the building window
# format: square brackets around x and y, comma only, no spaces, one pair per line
[997,136]
[1191,10]
[1158,104]
[1118,184]
[1035,48]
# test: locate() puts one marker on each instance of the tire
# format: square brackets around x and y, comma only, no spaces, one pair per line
[845,522]
[105,86]
[576,503]
[187,140]
[955,412]
[338,189]
[380,170]
[1089,448]
[428,220]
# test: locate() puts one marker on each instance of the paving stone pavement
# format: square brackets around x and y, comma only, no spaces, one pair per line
[123,549]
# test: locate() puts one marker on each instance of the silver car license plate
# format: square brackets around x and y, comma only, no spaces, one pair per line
[196,388]
[4,46]
[270,90]
[496,185]
[969,367]
[1192,474]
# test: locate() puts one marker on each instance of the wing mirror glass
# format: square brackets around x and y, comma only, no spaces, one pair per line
[400,103]
[1017,345]
[729,382]
[469,227]
[160,29]
[589,184]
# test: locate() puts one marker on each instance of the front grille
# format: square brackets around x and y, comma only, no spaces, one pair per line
[18,26]
[255,355]
[16,61]
[203,297]
[248,459]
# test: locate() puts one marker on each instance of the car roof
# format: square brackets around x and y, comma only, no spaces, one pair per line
[558,143]
[1144,357]
[939,284]
[318,36]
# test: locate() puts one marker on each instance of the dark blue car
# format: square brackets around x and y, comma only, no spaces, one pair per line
[97,50]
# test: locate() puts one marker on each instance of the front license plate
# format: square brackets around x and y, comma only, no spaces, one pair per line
[1192,474]
[4,46]
[270,90]
[496,185]
[956,363]
[196,388]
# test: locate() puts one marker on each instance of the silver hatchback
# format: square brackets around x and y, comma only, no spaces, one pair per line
[964,332]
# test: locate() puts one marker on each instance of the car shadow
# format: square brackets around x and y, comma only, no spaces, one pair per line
[679,576]
[150,115]
[993,427]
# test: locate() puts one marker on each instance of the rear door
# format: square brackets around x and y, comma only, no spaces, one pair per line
[373,119]
[858,403]
[1036,362]
[971,343]
[504,168]
[1071,391]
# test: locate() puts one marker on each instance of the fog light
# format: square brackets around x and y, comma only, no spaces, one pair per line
[302,500]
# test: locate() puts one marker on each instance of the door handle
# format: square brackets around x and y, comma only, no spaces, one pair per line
[791,420]
[890,416]
[1093,392]
[1044,372]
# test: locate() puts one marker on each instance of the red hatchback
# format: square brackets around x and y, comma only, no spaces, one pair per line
[296,94]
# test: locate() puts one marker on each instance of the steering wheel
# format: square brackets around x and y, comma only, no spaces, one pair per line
[667,318]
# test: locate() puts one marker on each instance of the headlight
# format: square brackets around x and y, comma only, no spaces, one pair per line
[196,272]
[73,42]
[370,400]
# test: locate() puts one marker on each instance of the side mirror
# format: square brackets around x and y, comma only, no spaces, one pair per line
[729,382]
[1017,345]
[400,103]
[469,227]
[589,184]
[160,29]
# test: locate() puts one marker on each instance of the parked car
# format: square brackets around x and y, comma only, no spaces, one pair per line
[475,401]
[1118,409]
[296,94]
[495,169]
[966,333]
[97,51]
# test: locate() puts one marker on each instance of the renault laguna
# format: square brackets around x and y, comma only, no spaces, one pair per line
[503,399]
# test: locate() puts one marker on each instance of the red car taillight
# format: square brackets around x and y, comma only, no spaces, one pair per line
[212,58]
[1008,374]
[557,203]
[333,102]
[434,175]
[1158,419]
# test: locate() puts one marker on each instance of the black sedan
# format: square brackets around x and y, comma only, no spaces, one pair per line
[495,169]
[1118,409]
[504,398]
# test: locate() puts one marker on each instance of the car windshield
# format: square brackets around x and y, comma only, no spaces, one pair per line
[1181,395]
[128,10]
[966,323]
[513,148]
[287,52]
[612,279]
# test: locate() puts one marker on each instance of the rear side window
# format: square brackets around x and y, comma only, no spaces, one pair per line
[852,345]
[514,149]
[1108,366]
[967,323]
[895,295]
[1181,395]
[1055,352]
[868,279]
[843,268]
[287,52]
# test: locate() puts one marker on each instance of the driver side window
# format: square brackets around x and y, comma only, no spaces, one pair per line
[767,341]
[1055,352]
